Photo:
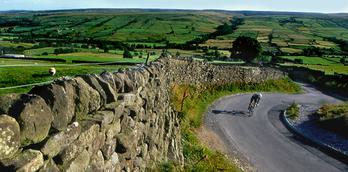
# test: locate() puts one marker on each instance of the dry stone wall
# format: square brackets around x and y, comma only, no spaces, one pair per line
[120,121]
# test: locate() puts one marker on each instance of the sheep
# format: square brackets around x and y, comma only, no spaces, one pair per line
[52,71]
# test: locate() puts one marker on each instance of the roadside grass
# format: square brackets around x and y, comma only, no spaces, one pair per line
[191,102]
[293,111]
[334,117]
[23,75]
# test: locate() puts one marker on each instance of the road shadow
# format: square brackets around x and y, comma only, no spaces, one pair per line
[234,112]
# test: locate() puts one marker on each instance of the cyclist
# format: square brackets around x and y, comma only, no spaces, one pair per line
[255,99]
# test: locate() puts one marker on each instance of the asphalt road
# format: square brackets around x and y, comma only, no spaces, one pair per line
[262,139]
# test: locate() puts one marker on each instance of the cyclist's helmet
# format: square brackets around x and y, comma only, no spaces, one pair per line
[259,94]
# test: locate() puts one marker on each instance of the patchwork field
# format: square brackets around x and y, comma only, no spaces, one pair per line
[100,36]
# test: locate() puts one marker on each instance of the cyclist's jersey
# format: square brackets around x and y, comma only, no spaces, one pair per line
[255,97]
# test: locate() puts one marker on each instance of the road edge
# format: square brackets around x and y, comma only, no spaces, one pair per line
[337,154]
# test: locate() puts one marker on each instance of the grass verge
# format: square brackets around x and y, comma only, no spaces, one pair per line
[334,117]
[15,76]
[293,111]
[193,101]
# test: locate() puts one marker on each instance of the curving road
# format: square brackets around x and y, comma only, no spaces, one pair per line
[262,139]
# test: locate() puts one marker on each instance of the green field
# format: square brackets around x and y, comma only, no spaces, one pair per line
[22,75]
[128,26]
[103,35]
[315,60]
[331,69]
[289,32]
[329,65]
[291,36]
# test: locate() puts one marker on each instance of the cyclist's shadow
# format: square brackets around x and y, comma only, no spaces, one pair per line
[234,112]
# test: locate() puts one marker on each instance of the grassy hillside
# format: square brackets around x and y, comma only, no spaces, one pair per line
[129,26]
[96,35]
[287,32]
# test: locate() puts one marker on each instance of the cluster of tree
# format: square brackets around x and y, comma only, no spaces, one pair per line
[313,51]
[224,29]
[127,54]
[246,48]
[290,20]
[344,60]
[141,46]
[343,44]
[11,50]
[213,54]
[24,22]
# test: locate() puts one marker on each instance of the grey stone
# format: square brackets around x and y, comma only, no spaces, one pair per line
[88,99]
[85,141]
[28,161]
[113,129]
[104,117]
[80,163]
[56,143]
[129,99]
[97,163]
[61,101]
[109,148]
[9,137]
[7,102]
[49,166]
[106,92]
[128,85]
[35,119]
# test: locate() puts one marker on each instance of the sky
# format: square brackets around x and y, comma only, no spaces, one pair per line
[323,6]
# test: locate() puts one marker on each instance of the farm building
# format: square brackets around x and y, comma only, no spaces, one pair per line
[13,55]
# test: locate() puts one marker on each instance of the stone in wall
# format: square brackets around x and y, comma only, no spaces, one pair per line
[27,161]
[60,96]
[10,137]
[87,99]
[34,118]
[7,102]
[57,142]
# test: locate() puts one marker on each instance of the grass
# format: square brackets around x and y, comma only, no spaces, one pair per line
[290,37]
[96,57]
[328,64]
[17,62]
[334,117]
[159,26]
[293,111]
[131,26]
[192,102]
[15,44]
[314,60]
[14,76]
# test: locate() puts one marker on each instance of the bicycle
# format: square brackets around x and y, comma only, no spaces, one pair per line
[251,108]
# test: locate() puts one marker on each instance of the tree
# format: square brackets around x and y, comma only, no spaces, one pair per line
[127,54]
[246,48]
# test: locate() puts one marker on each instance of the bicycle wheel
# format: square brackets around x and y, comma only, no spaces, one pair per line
[250,110]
